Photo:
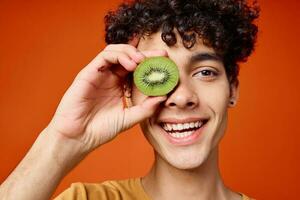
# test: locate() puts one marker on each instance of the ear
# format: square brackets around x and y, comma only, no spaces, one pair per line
[234,94]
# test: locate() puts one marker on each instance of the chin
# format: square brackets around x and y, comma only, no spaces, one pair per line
[188,159]
[186,165]
[182,156]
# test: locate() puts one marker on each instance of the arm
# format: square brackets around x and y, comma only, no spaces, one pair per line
[50,158]
[90,114]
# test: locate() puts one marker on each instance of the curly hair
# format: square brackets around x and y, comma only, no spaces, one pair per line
[225,25]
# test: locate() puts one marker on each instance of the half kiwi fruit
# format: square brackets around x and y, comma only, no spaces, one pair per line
[156,76]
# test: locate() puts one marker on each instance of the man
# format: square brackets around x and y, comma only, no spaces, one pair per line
[206,39]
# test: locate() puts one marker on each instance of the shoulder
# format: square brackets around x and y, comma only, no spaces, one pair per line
[87,191]
[113,189]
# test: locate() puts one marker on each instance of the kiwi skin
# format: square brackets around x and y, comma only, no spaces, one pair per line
[156,76]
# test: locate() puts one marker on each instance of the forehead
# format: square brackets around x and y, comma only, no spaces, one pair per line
[198,52]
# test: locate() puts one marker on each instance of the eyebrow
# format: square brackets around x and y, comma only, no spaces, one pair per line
[205,56]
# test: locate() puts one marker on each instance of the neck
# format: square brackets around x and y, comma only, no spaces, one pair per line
[167,182]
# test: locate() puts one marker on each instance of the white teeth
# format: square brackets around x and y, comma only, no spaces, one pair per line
[174,127]
[186,125]
[181,135]
[199,124]
[169,127]
[165,126]
[179,127]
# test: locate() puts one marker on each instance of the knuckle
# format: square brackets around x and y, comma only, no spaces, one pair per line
[121,47]
[108,53]
[109,47]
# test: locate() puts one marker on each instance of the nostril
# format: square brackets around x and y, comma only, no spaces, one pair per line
[172,104]
[189,104]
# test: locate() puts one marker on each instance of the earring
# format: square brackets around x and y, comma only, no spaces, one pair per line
[232,102]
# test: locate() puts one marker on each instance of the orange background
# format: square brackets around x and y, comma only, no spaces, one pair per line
[43,44]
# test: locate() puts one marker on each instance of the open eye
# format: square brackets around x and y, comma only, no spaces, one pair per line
[207,73]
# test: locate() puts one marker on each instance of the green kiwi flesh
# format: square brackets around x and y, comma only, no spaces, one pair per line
[156,76]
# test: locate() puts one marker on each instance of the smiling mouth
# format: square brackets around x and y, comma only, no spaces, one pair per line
[182,130]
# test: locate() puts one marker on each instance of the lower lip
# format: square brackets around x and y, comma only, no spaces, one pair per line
[188,140]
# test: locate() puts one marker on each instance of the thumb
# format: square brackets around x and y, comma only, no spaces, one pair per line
[138,113]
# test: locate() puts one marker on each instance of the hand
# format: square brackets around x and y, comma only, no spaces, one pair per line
[92,111]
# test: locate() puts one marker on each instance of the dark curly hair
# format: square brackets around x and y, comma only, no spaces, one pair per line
[225,25]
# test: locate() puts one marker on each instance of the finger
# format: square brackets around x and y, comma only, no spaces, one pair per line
[138,113]
[122,62]
[134,41]
[107,58]
[135,54]
[153,53]
[130,50]
[121,72]
[92,75]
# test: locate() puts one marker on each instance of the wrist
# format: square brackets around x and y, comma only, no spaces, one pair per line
[50,158]
[65,152]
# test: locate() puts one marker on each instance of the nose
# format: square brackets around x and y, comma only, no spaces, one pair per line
[183,97]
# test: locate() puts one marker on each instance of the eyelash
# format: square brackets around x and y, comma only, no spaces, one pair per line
[213,73]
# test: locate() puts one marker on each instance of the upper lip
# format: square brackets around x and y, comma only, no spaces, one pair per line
[181,121]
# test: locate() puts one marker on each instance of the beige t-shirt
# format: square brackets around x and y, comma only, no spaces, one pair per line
[129,189]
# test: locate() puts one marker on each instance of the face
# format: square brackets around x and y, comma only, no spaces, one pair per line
[191,122]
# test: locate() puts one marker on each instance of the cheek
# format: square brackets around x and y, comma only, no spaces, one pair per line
[215,96]
[149,133]
[144,128]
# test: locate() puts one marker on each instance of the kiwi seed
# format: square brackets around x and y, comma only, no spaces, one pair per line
[156,76]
